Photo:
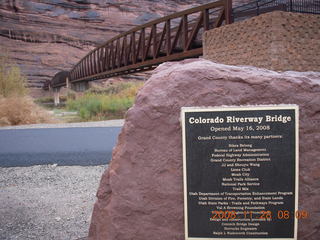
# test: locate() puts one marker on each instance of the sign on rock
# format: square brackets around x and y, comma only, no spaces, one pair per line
[240,172]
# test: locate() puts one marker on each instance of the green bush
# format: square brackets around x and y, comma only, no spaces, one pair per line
[44,100]
[114,88]
[12,83]
[109,103]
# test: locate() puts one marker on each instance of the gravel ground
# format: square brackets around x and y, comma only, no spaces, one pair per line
[47,202]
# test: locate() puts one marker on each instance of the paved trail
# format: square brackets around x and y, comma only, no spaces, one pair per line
[52,201]
[84,146]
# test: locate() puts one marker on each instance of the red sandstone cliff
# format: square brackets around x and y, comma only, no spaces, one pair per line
[47,36]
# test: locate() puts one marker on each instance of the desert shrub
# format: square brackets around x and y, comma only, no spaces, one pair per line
[12,82]
[17,110]
[109,103]
[15,107]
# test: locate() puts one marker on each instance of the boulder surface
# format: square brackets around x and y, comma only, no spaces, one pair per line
[141,194]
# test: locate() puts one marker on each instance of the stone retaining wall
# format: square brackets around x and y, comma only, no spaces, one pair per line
[278,41]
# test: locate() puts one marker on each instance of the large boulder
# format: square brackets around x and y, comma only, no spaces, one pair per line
[141,194]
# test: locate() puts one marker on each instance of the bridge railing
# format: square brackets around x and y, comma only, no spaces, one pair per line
[258,7]
[172,37]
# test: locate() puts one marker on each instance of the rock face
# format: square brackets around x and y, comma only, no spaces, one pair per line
[141,194]
[47,36]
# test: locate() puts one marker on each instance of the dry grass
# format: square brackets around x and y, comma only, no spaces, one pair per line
[15,107]
[12,81]
[18,110]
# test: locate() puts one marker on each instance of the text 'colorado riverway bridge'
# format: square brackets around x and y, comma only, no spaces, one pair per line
[174,37]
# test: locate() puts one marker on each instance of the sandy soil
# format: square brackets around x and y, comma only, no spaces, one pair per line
[47,202]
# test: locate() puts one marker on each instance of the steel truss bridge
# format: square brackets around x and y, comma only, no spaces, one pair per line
[173,37]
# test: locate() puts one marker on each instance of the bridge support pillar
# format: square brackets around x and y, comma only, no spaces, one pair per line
[228,12]
[68,85]
[56,95]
